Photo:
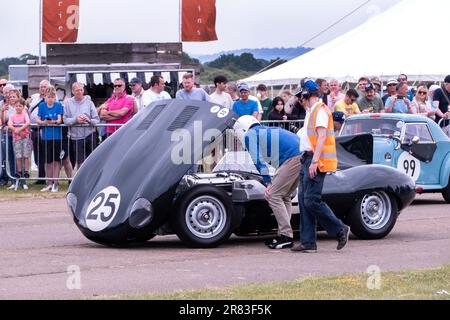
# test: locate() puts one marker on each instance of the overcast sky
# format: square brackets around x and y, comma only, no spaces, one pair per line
[240,23]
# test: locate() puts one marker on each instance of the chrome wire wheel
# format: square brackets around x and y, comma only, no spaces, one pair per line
[205,217]
[376,210]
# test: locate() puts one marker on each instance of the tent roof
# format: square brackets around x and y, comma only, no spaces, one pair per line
[409,38]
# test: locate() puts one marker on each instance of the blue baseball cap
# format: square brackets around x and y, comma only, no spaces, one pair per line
[309,87]
[339,116]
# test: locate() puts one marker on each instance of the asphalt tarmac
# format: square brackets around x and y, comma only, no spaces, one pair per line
[44,256]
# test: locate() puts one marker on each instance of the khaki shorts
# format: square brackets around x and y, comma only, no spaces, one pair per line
[22,148]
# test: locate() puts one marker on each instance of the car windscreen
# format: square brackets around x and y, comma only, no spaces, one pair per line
[374,126]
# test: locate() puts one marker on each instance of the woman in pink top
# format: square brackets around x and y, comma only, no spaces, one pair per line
[118,109]
[19,124]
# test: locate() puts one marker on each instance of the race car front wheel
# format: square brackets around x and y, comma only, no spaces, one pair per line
[204,216]
[373,216]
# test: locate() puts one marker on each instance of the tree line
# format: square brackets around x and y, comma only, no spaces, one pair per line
[6,62]
[233,66]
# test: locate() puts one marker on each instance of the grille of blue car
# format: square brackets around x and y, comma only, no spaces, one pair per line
[183,118]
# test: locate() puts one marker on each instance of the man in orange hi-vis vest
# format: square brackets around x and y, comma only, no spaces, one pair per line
[318,146]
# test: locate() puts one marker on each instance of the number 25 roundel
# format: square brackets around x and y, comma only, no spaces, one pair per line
[103,209]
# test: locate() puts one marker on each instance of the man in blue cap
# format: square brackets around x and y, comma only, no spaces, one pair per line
[318,148]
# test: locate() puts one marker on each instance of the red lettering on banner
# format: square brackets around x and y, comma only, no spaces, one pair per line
[198,20]
[60,21]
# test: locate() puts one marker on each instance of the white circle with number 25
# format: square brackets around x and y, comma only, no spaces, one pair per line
[103,209]
[409,165]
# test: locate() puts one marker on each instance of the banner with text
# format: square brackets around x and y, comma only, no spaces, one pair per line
[60,21]
[198,20]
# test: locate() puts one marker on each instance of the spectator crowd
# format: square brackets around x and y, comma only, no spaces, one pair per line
[31,128]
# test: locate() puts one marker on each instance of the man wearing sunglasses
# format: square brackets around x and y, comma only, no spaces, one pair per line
[348,105]
[118,109]
[391,89]
[3,83]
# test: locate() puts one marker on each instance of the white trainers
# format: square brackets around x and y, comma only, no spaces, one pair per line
[14,186]
[24,186]
[55,188]
[47,188]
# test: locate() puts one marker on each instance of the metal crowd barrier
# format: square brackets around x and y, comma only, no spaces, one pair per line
[69,154]
[443,122]
[50,155]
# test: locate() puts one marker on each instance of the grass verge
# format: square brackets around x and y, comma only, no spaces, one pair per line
[432,284]
[34,191]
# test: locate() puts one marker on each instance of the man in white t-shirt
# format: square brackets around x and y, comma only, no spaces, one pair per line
[220,96]
[155,92]
[137,91]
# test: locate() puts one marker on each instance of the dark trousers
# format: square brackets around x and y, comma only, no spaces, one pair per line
[7,139]
[312,209]
[39,152]
[81,149]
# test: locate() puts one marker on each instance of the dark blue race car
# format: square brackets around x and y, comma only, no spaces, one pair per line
[142,181]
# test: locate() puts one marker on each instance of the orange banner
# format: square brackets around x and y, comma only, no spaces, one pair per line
[198,20]
[60,21]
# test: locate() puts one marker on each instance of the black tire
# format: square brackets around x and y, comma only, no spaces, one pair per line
[204,217]
[446,192]
[373,216]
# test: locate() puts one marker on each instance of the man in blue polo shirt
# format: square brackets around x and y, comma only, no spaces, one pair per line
[282,149]
[399,103]
[245,106]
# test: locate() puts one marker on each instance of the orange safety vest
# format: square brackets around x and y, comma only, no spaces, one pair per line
[328,160]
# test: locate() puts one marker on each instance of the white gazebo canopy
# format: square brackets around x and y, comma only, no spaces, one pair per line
[409,38]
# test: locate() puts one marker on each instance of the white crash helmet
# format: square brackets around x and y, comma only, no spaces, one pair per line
[243,124]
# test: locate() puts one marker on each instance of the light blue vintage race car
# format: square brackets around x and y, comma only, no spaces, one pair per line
[413,144]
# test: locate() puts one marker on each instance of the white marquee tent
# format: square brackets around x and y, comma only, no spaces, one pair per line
[409,38]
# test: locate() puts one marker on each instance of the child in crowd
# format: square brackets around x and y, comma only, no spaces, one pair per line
[49,116]
[278,112]
[19,124]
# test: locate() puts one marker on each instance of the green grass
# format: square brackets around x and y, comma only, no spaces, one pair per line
[32,192]
[410,285]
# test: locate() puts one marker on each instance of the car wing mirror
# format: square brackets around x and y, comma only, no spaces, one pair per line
[415,140]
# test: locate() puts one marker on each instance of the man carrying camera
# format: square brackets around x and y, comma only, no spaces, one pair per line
[400,102]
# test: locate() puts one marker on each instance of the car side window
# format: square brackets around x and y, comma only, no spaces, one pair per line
[417,129]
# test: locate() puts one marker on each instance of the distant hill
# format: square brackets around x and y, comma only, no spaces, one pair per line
[264,53]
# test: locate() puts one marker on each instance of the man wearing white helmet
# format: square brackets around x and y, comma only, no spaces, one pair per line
[281,148]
